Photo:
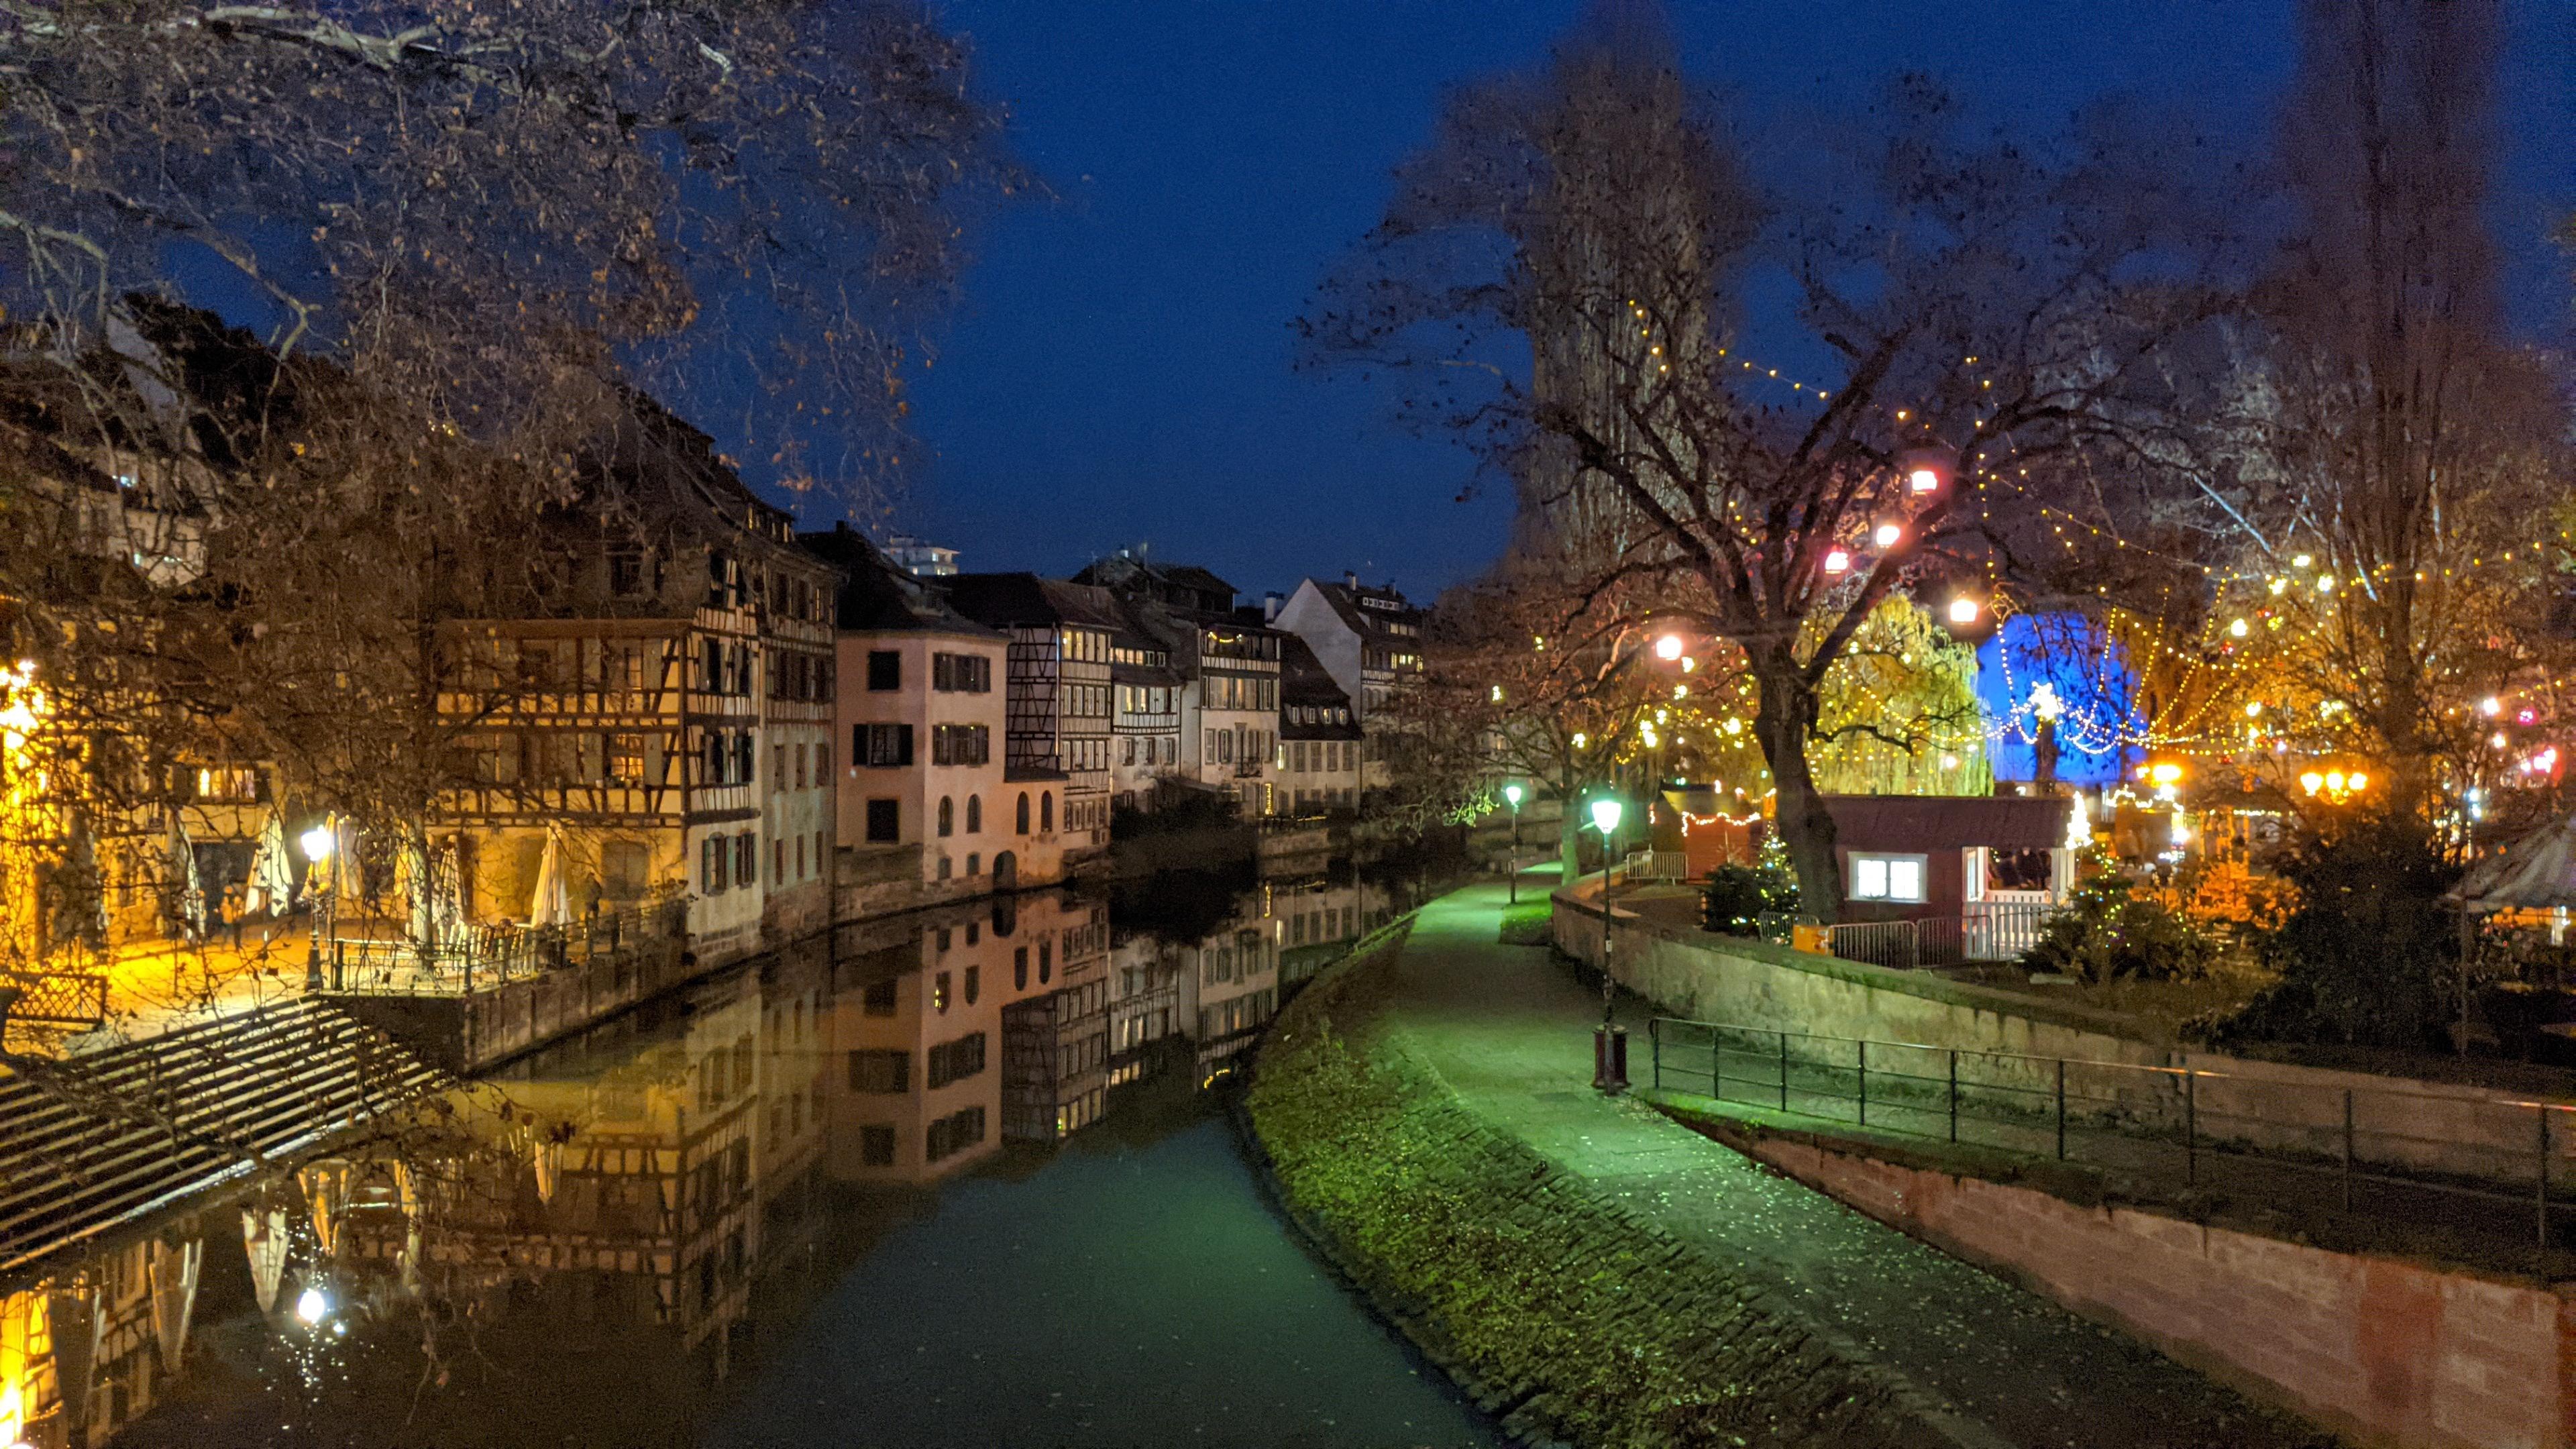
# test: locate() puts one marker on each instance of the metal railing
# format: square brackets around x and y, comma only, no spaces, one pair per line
[1990,931]
[483,956]
[66,998]
[2456,1159]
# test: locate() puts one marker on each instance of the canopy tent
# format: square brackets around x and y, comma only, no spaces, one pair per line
[2537,872]
[551,904]
[272,875]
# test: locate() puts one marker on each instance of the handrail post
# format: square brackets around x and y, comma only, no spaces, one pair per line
[1655,1048]
[1954,1094]
[1716,1063]
[2347,1149]
[2540,1179]
[1784,1071]
[1863,1048]
[2061,1109]
[2191,1126]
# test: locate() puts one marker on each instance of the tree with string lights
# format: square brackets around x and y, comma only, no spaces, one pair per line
[1997,319]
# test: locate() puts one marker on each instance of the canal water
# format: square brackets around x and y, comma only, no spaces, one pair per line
[962,1177]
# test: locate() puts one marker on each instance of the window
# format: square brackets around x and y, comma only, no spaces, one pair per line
[953,1133]
[1127,750]
[1894,878]
[800,767]
[626,574]
[2020,870]
[877,999]
[961,674]
[956,744]
[947,816]
[1023,827]
[955,1061]
[777,861]
[881,746]
[1046,810]
[746,858]
[880,1073]
[626,760]
[712,860]
[876,1146]
[974,863]
[939,993]
[974,814]
[822,763]
[746,757]
[1020,969]
[885,821]
[885,670]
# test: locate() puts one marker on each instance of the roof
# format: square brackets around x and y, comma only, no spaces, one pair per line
[1348,603]
[1178,586]
[1303,680]
[1948,822]
[2537,872]
[878,597]
[1023,600]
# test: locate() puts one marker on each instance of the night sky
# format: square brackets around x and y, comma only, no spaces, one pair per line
[1120,369]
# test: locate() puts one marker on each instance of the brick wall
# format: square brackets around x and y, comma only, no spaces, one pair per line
[2384,1351]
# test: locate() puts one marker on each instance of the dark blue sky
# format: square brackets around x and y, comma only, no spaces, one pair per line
[1119,371]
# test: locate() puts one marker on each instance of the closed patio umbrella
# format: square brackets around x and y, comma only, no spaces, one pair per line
[272,875]
[551,905]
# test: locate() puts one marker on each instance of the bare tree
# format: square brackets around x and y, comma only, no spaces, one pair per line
[1991,312]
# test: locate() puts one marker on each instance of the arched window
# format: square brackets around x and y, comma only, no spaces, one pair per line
[1020,969]
[1046,961]
[1024,812]
[974,814]
[1046,810]
[947,816]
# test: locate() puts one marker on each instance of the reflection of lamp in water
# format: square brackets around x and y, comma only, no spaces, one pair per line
[312,1306]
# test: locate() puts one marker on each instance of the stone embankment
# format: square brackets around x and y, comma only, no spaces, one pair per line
[1567,1316]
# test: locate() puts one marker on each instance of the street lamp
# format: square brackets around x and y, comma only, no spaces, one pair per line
[1609,1042]
[1512,793]
[1669,648]
[318,843]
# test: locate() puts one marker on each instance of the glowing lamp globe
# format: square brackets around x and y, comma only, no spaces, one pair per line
[1605,816]
[2312,782]
[317,843]
[1512,793]
[1963,610]
[1924,480]
[1837,560]
[1888,534]
[1669,647]
[311,1306]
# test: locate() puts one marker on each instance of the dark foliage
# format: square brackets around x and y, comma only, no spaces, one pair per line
[2109,933]
[2369,957]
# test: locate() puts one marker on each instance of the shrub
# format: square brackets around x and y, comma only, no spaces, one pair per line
[2109,932]
[2368,957]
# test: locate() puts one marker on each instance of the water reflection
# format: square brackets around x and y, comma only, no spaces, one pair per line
[591,1247]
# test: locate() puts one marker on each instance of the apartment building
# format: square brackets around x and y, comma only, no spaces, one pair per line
[1318,755]
[1059,700]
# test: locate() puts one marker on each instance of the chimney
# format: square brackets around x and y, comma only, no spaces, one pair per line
[1271,604]
[1350,580]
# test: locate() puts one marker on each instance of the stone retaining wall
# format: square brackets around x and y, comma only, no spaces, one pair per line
[2400,1122]
[2383,1351]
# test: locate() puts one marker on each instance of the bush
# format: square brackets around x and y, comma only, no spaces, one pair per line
[2369,956]
[2109,932]
[1531,923]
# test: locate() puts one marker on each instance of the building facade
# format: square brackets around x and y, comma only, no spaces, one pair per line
[1059,703]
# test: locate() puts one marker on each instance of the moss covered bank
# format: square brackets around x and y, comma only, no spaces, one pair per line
[1559,1311]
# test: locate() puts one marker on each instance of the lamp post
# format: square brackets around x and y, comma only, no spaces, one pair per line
[1609,1041]
[319,843]
[1512,792]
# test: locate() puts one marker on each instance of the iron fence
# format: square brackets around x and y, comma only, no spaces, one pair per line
[482,956]
[1990,931]
[2468,1159]
[64,998]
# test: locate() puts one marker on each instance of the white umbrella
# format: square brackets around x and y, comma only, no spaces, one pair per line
[552,903]
[2537,872]
[183,874]
[272,876]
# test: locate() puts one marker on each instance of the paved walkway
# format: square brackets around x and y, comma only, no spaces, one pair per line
[1509,1029]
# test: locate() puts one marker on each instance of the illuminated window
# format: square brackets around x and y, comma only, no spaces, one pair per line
[1892,878]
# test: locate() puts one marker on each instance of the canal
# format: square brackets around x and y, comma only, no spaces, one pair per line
[961,1177]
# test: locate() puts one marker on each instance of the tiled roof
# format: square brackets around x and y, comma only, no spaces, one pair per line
[1947,822]
[877,597]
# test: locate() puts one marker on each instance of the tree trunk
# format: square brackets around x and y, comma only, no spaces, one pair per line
[1569,845]
[1783,723]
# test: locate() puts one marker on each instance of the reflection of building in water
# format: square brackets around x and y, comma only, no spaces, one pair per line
[88,1351]
[1144,997]
[976,1023]
[1228,984]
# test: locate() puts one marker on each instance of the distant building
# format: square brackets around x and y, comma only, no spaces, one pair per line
[1369,640]
[922,709]
[1318,759]
[1145,724]
[920,558]
[1058,693]
[1229,667]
